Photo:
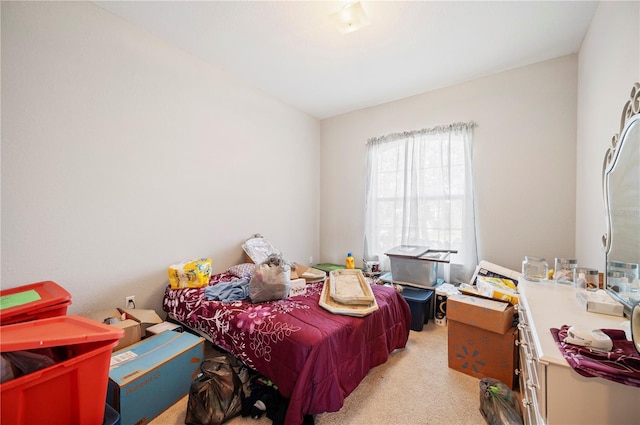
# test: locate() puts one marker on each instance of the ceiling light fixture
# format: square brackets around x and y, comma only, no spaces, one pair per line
[350,18]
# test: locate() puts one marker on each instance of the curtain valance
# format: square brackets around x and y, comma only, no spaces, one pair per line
[455,127]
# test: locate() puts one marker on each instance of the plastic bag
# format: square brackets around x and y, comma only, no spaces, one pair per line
[271,280]
[258,249]
[498,404]
[28,361]
[216,394]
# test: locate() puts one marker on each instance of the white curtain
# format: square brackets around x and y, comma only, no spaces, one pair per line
[420,192]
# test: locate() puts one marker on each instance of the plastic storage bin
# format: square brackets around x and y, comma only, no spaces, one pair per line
[416,265]
[420,304]
[71,392]
[34,301]
[111,416]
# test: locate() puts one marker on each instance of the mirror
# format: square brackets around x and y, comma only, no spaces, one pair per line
[621,185]
[635,327]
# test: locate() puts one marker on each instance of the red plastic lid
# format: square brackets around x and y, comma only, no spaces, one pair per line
[55,332]
[30,298]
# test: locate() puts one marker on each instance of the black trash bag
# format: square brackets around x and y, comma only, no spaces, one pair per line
[263,398]
[498,404]
[216,394]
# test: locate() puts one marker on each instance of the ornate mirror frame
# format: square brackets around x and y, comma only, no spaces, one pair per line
[621,189]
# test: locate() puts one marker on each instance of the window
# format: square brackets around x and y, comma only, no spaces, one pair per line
[419,192]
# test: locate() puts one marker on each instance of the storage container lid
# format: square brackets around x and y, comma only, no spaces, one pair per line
[408,251]
[55,332]
[417,295]
[31,298]
[436,256]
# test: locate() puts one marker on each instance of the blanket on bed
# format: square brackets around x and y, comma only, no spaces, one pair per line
[315,357]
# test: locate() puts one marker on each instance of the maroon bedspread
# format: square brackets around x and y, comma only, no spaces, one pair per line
[315,357]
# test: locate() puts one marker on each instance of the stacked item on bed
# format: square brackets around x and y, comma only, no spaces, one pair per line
[309,274]
[347,292]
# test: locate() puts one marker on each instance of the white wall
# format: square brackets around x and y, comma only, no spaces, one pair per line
[122,155]
[525,153]
[609,64]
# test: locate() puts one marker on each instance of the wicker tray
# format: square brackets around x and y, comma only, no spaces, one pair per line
[336,307]
[350,287]
[312,275]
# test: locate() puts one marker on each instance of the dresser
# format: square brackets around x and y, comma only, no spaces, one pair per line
[552,392]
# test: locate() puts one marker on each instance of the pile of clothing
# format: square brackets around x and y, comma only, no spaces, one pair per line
[269,281]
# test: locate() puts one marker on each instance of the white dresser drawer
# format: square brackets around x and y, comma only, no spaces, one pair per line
[553,392]
[531,374]
[530,402]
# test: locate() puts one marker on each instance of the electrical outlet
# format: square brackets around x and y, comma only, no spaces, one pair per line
[130,301]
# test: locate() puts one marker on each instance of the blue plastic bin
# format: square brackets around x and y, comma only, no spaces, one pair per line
[420,304]
[111,416]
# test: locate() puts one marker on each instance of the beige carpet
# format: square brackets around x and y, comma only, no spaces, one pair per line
[415,386]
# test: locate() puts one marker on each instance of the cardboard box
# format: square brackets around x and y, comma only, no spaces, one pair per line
[298,287]
[146,318]
[494,316]
[162,327]
[134,322]
[151,375]
[131,327]
[481,353]
[600,302]
[481,339]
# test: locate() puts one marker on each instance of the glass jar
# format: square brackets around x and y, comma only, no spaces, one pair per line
[535,269]
[629,270]
[622,277]
[618,282]
[591,277]
[565,271]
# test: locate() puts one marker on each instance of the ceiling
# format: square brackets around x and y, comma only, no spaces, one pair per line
[292,50]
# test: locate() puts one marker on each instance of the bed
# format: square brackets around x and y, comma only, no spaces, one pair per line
[316,358]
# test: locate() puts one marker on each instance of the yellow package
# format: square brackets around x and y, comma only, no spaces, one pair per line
[497,281]
[498,289]
[190,274]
